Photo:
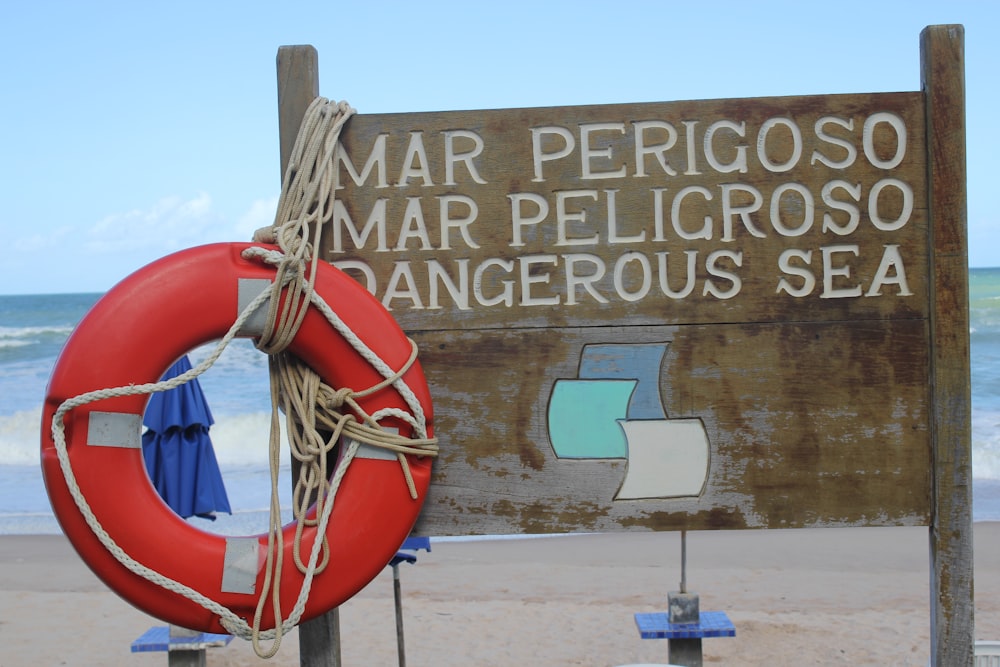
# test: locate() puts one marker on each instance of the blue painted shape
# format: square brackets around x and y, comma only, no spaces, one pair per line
[583,418]
[640,362]
[657,625]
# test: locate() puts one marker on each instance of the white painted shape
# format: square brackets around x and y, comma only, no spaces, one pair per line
[248,289]
[242,561]
[366,451]
[667,458]
[114,429]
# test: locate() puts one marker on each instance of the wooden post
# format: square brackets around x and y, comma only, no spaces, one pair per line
[187,657]
[952,606]
[298,86]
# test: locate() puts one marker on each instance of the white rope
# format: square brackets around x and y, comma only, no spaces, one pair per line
[418,420]
[234,624]
[229,620]
[306,203]
[306,200]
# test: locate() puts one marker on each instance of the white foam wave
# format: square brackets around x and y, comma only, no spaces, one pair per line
[7,333]
[243,440]
[19,438]
[238,440]
[986,444]
[238,383]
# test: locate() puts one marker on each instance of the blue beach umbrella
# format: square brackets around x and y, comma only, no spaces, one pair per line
[178,451]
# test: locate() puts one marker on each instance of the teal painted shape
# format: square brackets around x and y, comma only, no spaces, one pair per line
[640,361]
[583,418]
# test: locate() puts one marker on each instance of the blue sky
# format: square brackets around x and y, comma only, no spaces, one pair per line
[133,129]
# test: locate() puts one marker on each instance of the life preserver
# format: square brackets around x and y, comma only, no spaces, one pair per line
[131,336]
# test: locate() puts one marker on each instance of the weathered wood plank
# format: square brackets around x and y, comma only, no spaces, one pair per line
[943,83]
[298,86]
[796,338]
[787,447]
[759,210]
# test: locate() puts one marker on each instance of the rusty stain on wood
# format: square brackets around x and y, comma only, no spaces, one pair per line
[787,450]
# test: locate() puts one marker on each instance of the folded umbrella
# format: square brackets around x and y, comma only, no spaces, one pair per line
[178,451]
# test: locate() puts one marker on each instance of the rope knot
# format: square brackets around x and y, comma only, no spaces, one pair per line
[265,255]
[339,397]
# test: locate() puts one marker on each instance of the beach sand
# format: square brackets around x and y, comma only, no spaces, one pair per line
[857,596]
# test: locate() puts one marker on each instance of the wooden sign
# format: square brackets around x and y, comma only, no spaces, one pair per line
[675,213]
[742,313]
[681,315]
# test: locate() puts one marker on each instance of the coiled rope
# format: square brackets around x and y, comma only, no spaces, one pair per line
[311,407]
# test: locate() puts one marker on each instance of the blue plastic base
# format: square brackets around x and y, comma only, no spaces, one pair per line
[657,625]
[158,638]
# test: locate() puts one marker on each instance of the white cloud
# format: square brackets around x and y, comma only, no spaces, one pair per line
[260,214]
[170,223]
[37,242]
[91,258]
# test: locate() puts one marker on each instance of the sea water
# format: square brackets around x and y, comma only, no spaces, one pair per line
[34,328]
[984,334]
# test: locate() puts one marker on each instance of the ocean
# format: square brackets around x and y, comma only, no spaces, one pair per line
[34,328]
[32,332]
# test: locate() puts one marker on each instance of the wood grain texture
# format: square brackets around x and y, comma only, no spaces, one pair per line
[298,86]
[432,277]
[788,447]
[507,241]
[943,83]
[810,374]
[801,261]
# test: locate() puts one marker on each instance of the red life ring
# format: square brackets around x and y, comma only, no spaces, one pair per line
[131,336]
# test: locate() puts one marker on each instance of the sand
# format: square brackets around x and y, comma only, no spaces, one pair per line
[856,596]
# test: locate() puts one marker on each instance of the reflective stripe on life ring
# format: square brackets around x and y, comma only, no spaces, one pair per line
[131,336]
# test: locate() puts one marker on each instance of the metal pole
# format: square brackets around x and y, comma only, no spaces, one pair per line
[400,647]
[684,559]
